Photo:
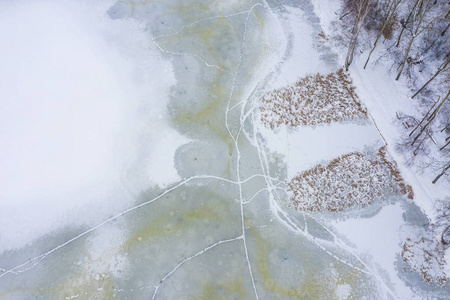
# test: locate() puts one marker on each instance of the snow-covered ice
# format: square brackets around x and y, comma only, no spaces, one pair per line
[75,101]
[137,166]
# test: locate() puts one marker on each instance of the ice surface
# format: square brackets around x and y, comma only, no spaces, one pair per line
[304,147]
[73,107]
[181,194]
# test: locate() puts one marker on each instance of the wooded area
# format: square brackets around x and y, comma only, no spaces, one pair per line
[412,36]
[415,36]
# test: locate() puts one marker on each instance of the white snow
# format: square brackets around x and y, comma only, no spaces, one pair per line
[303,59]
[383,97]
[343,291]
[75,100]
[380,238]
[161,155]
[305,147]
[103,260]
[327,11]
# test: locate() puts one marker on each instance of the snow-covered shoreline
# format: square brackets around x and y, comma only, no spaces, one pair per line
[303,147]
[384,97]
[75,117]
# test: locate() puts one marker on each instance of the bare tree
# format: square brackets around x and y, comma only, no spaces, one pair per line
[420,21]
[448,142]
[429,119]
[441,225]
[406,22]
[391,7]
[361,9]
[434,36]
[423,41]
[424,118]
[441,68]
[442,173]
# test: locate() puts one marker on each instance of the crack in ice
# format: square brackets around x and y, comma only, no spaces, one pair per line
[260,191]
[192,257]
[190,54]
[201,20]
[238,154]
[272,183]
[36,260]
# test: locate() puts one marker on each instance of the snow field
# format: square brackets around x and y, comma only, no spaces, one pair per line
[76,97]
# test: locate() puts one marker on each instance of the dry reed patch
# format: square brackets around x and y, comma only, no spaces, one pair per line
[426,257]
[351,180]
[315,99]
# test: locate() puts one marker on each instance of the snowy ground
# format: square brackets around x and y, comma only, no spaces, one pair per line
[384,98]
[378,238]
[74,107]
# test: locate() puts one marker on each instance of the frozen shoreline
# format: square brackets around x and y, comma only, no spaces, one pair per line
[384,97]
[371,85]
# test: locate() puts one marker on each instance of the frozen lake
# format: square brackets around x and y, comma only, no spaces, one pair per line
[199,207]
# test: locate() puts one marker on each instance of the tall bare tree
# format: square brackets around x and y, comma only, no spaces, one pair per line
[441,68]
[429,118]
[444,169]
[406,22]
[390,9]
[360,10]
[421,20]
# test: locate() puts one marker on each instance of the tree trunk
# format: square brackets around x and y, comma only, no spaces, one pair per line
[391,11]
[440,175]
[443,31]
[443,241]
[444,145]
[375,44]
[351,49]
[431,118]
[426,115]
[440,69]
[402,65]
[418,146]
[446,126]
[361,10]
[406,22]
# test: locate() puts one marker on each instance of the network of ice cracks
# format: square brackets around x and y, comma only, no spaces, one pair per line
[267,232]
